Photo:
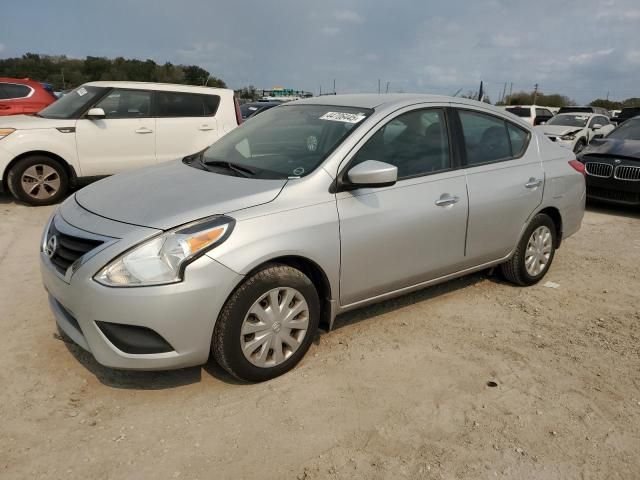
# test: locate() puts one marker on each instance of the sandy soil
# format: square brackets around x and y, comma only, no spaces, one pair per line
[398,390]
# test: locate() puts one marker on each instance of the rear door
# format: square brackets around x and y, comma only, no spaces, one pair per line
[186,123]
[414,231]
[123,140]
[505,181]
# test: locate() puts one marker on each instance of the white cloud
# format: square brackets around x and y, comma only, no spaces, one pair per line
[634,57]
[331,31]
[620,15]
[585,58]
[348,16]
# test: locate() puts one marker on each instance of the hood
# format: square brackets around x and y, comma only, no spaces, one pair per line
[558,130]
[30,122]
[171,194]
[614,147]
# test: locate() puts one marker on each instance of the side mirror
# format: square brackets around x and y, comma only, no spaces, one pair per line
[96,113]
[372,173]
[596,126]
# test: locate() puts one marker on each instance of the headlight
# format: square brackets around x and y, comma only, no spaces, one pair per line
[163,259]
[6,131]
[568,137]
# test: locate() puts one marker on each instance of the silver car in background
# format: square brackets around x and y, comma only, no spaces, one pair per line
[311,209]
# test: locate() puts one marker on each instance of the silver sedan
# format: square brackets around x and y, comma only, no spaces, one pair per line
[311,209]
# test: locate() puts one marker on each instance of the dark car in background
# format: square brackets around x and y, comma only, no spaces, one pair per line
[612,165]
[24,96]
[627,113]
[254,108]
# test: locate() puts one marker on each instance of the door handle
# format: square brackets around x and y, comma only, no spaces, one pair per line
[533,183]
[205,128]
[446,200]
[144,130]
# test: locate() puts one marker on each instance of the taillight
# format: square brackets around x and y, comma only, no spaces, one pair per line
[238,114]
[578,166]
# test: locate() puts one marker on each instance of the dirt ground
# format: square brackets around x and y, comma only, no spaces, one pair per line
[398,390]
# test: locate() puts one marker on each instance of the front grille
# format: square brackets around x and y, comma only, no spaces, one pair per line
[615,195]
[69,248]
[597,169]
[624,172]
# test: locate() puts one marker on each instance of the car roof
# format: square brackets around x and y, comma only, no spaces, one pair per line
[170,87]
[581,114]
[375,100]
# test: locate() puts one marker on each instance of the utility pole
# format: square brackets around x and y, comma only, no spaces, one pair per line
[535,93]
[334,86]
[379,86]
[387,90]
[607,95]
[320,91]
[510,91]
[504,92]
[63,85]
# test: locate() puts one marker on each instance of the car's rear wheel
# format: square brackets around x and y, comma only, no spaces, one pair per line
[534,253]
[38,180]
[267,324]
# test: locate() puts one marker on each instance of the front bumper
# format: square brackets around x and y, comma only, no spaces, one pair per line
[183,314]
[604,185]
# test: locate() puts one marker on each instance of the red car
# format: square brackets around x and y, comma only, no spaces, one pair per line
[23,96]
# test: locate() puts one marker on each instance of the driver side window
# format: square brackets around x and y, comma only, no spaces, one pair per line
[126,104]
[416,142]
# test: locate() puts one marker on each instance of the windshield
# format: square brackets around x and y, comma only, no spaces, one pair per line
[289,141]
[519,111]
[629,130]
[73,103]
[568,120]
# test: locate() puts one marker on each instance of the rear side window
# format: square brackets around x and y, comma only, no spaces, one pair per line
[10,91]
[490,139]
[177,104]
[519,139]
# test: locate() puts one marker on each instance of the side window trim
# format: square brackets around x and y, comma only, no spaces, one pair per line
[460,135]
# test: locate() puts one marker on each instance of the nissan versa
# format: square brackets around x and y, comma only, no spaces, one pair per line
[313,208]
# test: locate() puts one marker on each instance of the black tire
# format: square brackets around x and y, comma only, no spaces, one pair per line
[14,180]
[226,340]
[580,145]
[515,269]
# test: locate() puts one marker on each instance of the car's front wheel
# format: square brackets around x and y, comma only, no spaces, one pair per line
[38,180]
[580,145]
[534,254]
[267,324]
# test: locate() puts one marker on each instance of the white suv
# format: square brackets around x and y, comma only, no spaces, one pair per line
[102,128]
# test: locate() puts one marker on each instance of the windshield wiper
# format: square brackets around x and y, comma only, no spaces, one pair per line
[234,167]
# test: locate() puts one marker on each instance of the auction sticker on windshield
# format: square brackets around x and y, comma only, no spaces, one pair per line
[343,117]
[82,91]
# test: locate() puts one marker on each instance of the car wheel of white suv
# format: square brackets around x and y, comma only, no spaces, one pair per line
[38,180]
[534,254]
[267,324]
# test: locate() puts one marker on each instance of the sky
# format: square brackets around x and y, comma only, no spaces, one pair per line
[583,49]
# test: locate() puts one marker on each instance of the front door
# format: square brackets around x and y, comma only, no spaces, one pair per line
[123,140]
[398,236]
